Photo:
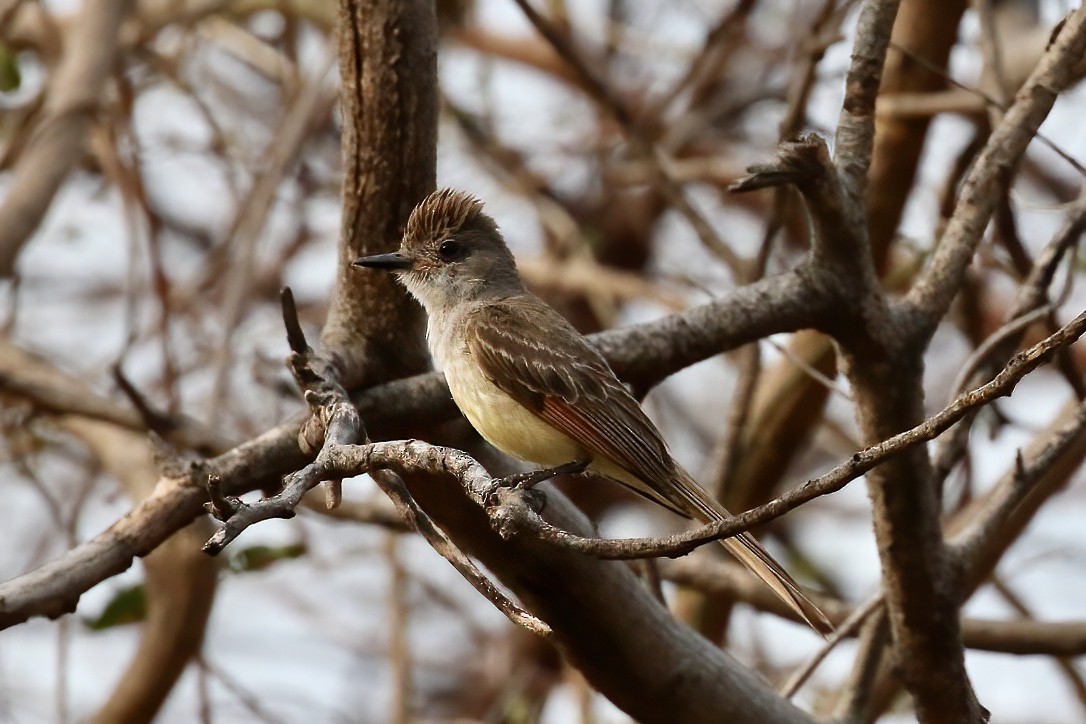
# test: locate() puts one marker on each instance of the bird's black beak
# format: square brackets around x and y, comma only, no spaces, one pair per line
[389,262]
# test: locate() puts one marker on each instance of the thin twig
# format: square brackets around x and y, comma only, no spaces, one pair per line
[847,629]
[659,162]
[244,235]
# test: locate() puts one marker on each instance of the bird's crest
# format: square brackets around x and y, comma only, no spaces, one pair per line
[441,214]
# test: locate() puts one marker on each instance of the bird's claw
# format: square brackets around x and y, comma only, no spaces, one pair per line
[526,481]
[532,478]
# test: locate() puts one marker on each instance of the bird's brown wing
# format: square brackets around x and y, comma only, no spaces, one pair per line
[536,357]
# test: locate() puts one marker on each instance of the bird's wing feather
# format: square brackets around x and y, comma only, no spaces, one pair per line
[566,382]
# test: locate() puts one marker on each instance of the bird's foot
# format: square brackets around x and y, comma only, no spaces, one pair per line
[525,482]
[532,478]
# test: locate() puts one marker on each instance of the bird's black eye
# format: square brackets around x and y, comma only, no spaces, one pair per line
[449,250]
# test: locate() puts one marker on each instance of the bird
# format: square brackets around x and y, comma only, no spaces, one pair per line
[531,385]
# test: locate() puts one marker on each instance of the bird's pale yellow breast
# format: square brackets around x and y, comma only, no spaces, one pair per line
[502,421]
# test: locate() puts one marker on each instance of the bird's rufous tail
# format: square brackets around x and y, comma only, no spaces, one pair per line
[702,507]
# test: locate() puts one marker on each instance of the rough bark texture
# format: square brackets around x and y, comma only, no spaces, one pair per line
[609,626]
[920,583]
[388,71]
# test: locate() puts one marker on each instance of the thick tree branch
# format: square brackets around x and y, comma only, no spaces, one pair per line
[884,364]
[387,52]
[580,599]
[388,70]
[176,503]
[643,354]
[840,257]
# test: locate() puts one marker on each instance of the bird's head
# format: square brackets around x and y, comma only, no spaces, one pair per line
[451,251]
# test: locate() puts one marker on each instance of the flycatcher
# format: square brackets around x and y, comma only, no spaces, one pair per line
[531,385]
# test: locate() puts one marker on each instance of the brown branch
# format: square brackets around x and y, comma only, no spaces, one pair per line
[885,374]
[855,139]
[645,354]
[389,102]
[885,368]
[642,355]
[340,427]
[884,364]
[54,588]
[177,502]
[840,253]
[596,86]
[57,144]
[1027,637]
[398,610]
[412,458]
[1021,637]
[392,485]
[939,283]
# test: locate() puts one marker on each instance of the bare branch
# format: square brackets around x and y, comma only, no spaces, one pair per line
[336,424]
[1024,637]
[932,294]
[1000,518]
[856,125]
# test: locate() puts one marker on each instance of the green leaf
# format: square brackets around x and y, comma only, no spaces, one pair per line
[10,78]
[257,558]
[129,605]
